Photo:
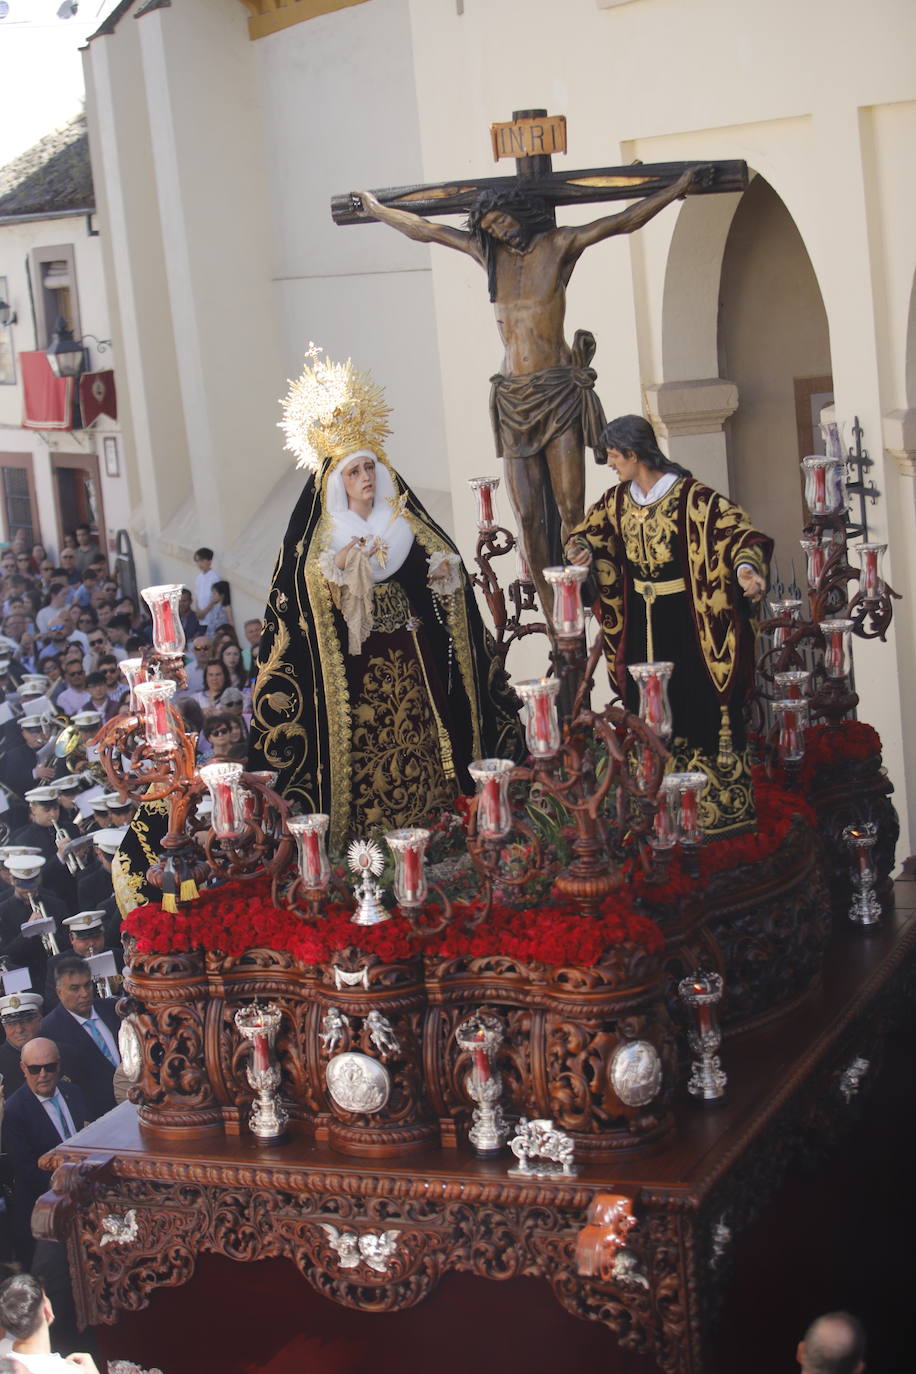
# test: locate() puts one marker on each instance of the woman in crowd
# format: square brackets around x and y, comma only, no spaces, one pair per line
[216,680]
[230,656]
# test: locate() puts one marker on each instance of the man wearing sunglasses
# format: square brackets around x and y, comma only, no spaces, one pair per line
[38,1116]
[200,644]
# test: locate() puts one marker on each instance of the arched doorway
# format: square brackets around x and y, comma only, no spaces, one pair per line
[774,344]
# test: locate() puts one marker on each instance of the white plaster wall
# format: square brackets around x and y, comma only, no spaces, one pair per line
[339,103]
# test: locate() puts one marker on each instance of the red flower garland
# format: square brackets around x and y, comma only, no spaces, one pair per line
[238,916]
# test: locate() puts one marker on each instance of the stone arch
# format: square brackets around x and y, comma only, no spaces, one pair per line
[774,344]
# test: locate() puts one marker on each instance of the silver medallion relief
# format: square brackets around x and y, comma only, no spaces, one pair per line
[636,1073]
[357,1083]
[131,1050]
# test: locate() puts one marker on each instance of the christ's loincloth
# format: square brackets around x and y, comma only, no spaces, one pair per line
[529,411]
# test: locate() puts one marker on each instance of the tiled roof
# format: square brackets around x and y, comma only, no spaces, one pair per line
[52,176]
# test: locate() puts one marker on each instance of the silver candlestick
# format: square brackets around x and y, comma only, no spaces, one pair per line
[700,993]
[860,840]
[268,1119]
[481,1036]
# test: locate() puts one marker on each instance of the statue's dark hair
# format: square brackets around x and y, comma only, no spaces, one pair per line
[533,214]
[633,433]
[20,1306]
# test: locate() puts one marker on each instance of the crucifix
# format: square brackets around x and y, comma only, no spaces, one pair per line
[542,401]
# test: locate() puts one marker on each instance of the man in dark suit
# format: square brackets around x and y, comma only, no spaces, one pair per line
[87,1032]
[87,936]
[40,1114]
[20,1014]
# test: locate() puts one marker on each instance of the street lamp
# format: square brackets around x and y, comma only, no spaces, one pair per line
[65,354]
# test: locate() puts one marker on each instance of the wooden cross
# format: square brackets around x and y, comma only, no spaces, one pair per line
[529,132]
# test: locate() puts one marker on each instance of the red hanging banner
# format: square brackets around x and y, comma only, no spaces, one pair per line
[97,397]
[47,401]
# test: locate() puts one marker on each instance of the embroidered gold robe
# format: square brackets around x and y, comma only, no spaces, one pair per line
[685,549]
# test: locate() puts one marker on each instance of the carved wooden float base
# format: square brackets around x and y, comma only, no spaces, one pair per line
[378,1236]
[764,927]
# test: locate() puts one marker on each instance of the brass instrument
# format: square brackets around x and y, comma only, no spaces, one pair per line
[49,939]
[75,861]
[69,745]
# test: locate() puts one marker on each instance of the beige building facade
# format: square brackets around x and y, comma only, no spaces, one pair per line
[220,131]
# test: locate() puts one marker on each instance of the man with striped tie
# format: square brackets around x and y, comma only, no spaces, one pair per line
[40,1114]
[86,1029]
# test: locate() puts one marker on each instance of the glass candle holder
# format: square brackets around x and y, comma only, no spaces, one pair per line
[700,994]
[664,826]
[168,633]
[522,570]
[568,612]
[832,434]
[837,648]
[688,787]
[251,800]
[792,685]
[654,706]
[484,489]
[871,573]
[494,818]
[825,490]
[152,699]
[787,609]
[793,721]
[409,849]
[134,672]
[542,727]
[815,551]
[310,834]
[223,782]
[860,839]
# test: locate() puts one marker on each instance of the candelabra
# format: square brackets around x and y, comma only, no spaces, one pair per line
[834,616]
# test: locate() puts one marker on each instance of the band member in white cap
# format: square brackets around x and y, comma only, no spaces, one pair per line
[20,1015]
[28,901]
[96,889]
[46,831]
[20,769]
[87,936]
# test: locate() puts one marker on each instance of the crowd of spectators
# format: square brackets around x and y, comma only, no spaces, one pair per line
[66,625]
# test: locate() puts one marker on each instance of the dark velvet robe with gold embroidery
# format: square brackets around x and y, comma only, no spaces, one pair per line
[694,535]
[382,738]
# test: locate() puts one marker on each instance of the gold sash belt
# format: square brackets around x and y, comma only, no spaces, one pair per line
[649,591]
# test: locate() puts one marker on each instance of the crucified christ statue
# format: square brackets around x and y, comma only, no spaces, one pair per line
[543,403]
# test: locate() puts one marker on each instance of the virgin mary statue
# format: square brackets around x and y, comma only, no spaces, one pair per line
[377,686]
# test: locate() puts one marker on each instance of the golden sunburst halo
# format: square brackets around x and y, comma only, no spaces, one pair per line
[332,410]
[365,856]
